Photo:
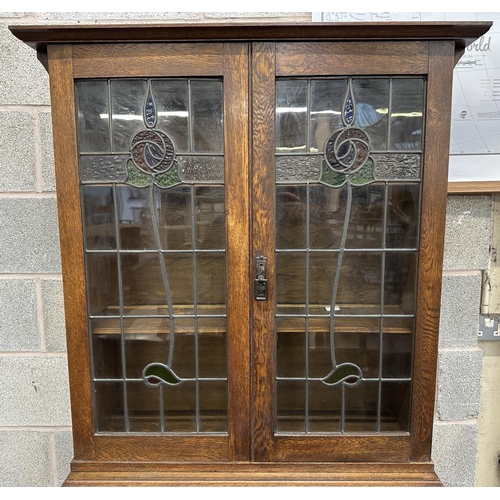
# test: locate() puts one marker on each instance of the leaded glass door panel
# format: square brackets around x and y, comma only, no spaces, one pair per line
[154,222]
[343,250]
[160,165]
[251,223]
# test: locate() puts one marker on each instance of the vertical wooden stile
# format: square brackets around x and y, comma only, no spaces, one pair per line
[60,60]
[433,218]
[236,148]
[263,125]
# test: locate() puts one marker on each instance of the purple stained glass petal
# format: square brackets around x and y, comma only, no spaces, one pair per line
[149,110]
[348,115]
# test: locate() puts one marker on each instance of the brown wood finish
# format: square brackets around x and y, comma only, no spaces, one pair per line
[236,147]
[473,187]
[432,228]
[161,448]
[462,33]
[342,448]
[254,474]
[263,115]
[139,60]
[351,479]
[251,453]
[350,58]
[72,257]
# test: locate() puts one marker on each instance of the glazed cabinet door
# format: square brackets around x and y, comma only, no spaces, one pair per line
[153,205]
[345,141]
[251,244]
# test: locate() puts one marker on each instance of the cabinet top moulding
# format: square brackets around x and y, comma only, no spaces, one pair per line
[463,33]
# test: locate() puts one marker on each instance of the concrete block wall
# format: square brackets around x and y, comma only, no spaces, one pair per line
[467,248]
[35,432]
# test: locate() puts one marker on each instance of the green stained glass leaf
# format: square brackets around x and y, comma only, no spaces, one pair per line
[169,178]
[364,175]
[158,373]
[345,374]
[331,178]
[137,177]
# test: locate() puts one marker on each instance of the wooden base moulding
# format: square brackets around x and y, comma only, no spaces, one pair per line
[253,474]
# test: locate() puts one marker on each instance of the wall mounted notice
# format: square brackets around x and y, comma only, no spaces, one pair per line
[475,121]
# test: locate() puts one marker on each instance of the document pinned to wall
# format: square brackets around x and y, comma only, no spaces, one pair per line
[475,121]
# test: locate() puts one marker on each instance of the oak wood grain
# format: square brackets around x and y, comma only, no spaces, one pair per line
[462,32]
[236,148]
[263,120]
[432,229]
[351,58]
[166,448]
[342,448]
[71,237]
[143,60]
[249,85]
[473,187]
[256,474]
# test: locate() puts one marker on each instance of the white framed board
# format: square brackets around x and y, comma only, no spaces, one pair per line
[475,120]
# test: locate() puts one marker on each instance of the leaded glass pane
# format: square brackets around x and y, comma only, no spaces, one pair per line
[402,166]
[102,278]
[399,282]
[290,343]
[92,111]
[172,101]
[109,402]
[106,346]
[395,406]
[407,113]
[298,168]
[206,122]
[201,168]
[291,405]
[371,97]
[347,218]
[102,168]
[213,398]
[327,97]
[359,411]
[127,104]
[291,116]
[319,420]
[98,217]
[154,228]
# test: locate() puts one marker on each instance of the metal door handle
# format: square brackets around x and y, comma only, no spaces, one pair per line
[261,278]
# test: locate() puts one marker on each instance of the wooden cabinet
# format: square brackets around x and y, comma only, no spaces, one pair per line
[252,222]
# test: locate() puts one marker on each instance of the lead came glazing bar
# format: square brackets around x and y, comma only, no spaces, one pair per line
[308,213]
[190,118]
[389,115]
[378,278]
[195,307]
[122,328]
[382,306]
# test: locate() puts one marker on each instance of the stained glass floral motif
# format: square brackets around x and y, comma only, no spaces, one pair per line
[347,151]
[152,162]
[152,159]
[347,160]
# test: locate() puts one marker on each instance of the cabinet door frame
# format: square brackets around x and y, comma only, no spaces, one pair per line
[229,61]
[251,382]
[431,59]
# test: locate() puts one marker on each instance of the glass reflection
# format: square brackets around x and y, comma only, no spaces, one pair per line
[407,113]
[291,115]
[127,101]
[92,116]
[346,257]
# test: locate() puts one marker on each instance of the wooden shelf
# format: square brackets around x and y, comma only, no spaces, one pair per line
[161,326]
